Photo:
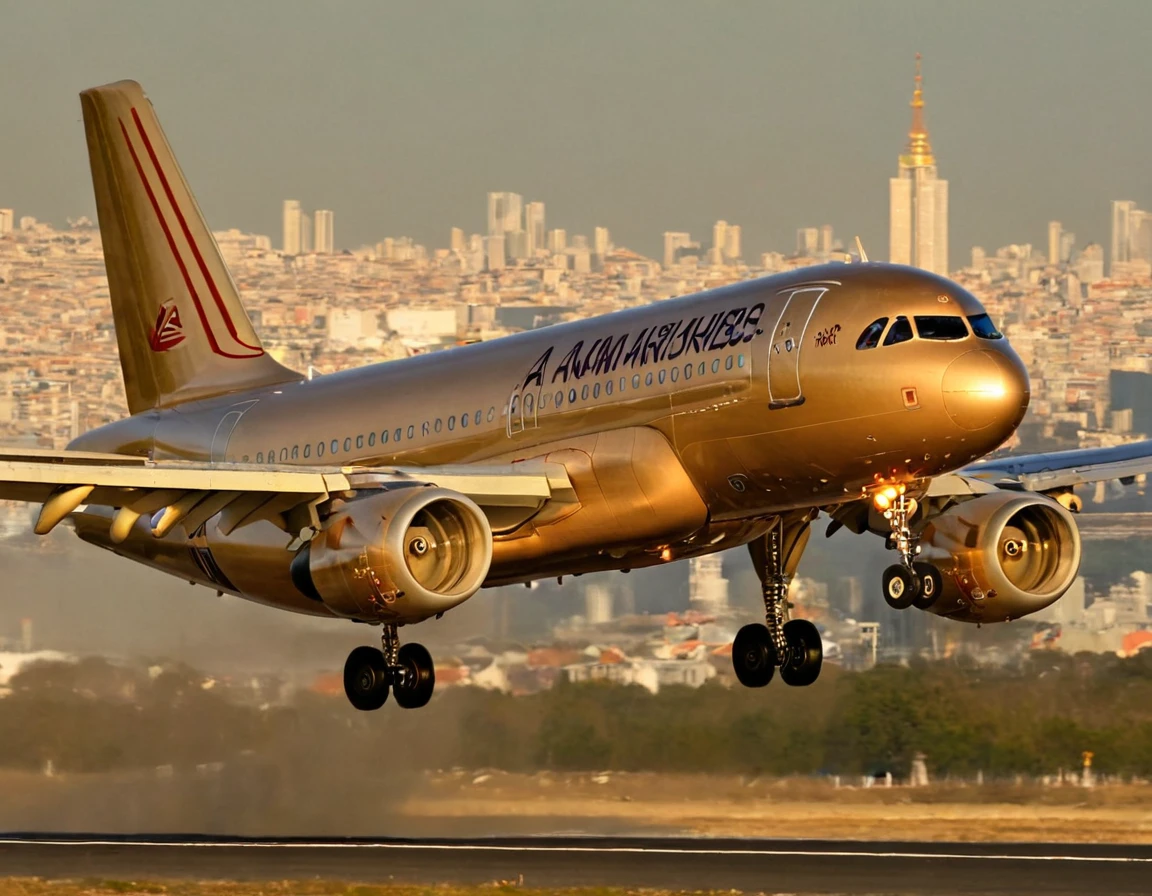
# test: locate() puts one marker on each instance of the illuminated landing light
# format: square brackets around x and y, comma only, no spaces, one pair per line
[884,498]
[666,554]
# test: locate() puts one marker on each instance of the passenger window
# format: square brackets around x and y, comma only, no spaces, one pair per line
[335,446]
[661,376]
[716,365]
[398,435]
[383,436]
[571,396]
[259,457]
[938,326]
[728,363]
[451,423]
[347,443]
[463,420]
[687,371]
[295,452]
[491,414]
[437,425]
[870,338]
[983,327]
[559,399]
[596,390]
[371,439]
[623,384]
[608,387]
[411,430]
[740,360]
[703,369]
[584,394]
[319,449]
[478,417]
[283,455]
[648,378]
[359,442]
[900,331]
[424,430]
[675,374]
[307,451]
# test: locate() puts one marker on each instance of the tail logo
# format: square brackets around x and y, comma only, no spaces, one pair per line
[167,332]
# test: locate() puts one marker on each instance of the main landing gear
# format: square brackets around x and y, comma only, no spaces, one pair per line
[909,583]
[408,672]
[793,645]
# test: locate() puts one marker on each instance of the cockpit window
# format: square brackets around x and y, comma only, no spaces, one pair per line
[983,327]
[901,331]
[870,338]
[938,326]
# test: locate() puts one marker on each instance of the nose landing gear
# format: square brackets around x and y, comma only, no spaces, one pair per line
[408,672]
[910,582]
[792,645]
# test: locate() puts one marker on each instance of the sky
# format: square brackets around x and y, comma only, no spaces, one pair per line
[639,115]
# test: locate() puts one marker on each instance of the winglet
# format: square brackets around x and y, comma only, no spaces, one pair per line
[860,250]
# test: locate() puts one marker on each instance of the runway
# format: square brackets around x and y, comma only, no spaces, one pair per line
[773,866]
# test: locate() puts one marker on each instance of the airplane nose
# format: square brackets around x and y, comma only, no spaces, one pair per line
[984,387]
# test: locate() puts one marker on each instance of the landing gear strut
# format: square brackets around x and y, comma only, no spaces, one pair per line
[407,671]
[909,582]
[792,645]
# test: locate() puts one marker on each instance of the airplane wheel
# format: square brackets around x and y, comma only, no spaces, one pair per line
[366,678]
[931,583]
[805,653]
[753,657]
[900,587]
[417,676]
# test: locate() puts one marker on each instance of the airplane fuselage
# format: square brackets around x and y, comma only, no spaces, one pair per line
[685,425]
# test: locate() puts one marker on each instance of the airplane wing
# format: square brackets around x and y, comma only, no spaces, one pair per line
[188,494]
[1060,470]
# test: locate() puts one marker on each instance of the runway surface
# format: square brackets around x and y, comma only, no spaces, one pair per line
[770,866]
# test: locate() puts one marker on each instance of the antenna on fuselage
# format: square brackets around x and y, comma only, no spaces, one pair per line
[860,250]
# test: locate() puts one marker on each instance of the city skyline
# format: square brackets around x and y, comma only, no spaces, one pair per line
[608,124]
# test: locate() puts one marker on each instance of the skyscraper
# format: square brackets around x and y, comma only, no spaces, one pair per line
[1055,233]
[732,248]
[7,221]
[1122,210]
[674,241]
[918,199]
[292,217]
[305,233]
[504,213]
[534,225]
[324,231]
[601,242]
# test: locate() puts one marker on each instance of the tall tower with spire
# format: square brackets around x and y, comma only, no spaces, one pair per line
[918,199]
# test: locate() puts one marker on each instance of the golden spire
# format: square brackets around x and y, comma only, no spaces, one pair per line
[919,149]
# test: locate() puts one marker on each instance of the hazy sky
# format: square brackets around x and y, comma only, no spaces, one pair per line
[641,116]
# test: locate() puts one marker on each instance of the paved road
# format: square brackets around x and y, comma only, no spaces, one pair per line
[774,866]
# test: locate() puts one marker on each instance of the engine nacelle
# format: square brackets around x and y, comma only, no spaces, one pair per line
[399,555]
[1002,556]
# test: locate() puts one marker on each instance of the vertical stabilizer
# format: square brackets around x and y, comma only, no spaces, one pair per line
[182,331]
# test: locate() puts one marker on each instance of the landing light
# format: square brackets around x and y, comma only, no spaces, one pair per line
[883,499]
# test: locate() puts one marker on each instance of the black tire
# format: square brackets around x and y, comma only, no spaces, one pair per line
[805,653]
[417,679]
[931,583]
[901,587]
[366,679]
[753,656]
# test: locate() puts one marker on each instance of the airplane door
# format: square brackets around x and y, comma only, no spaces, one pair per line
[523,410]
[787,339]
[224,431]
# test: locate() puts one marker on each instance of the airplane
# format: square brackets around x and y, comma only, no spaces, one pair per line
[389,494]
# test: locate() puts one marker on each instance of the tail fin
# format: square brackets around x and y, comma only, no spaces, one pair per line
[182,331]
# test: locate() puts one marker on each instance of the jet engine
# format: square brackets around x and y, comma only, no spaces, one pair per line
[398,555]
[1002,556]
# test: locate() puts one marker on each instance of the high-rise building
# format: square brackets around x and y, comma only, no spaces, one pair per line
[456,240]
[557,240]
[707,587]
[1090,265]
[601,242]
[305,233]
[7,221]
[504,213]
[732,248]
[292,217]
[516,244]
[534,226]
[918,199]
[674,241]
[719,238]
[1067,246]
[1055,233]
[826,238]
[494,246]
[1122,210]
[324,231]
[807,242]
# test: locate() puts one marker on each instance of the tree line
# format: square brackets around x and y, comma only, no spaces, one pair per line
[1034,719]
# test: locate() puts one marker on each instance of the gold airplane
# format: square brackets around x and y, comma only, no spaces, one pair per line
[393,493]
